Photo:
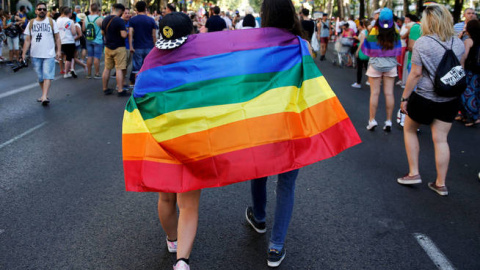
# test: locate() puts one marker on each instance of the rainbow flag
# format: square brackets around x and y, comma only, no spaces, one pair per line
[227,107]
[371,48]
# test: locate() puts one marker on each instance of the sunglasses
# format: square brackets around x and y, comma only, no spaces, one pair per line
[41,9]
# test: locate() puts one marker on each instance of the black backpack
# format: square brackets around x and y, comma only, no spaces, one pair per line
[450,79]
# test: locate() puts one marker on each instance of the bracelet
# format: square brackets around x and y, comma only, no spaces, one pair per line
[403,99]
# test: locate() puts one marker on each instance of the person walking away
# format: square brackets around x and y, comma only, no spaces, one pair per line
[78,48]
[227,20]
[471,62]
[324,35]
[180,231]
[94,37]
[114,31]
[141,37]
[216,23]
[307,24]
[382,46]
[424,106]
[248,22]
[41,36]
[271,11]
[3,37]
[67,30]
[362,59]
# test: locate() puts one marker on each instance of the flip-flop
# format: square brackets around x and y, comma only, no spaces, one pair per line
[45,102]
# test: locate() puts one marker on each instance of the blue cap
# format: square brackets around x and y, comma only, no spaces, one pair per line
[385,19]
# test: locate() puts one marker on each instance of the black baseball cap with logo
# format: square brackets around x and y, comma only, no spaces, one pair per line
[174,30]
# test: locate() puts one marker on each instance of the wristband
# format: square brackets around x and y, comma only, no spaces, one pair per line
[403,99]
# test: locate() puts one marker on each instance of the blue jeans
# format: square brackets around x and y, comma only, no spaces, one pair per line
[283,209]
[44,67]
[137,59]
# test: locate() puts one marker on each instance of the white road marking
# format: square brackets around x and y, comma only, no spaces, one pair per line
[24,88]
[435,254]
[22,135]
[33,85]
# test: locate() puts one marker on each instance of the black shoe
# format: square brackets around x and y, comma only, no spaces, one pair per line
[108,91]
[74,75]
[322,57]
[124,93]
[275,257]
[257,226]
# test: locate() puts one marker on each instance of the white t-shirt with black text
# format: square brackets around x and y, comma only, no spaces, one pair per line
[42,38]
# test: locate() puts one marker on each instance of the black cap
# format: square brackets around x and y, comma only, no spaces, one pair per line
[174,29]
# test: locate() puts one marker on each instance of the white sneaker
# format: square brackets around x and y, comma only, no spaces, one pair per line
[388,126]
[172,246]
[356,85]
[398,83]
[372,125]
[367,83]
[68,75]
[181,265]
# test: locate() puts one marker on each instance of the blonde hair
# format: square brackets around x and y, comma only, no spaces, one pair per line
[437,20]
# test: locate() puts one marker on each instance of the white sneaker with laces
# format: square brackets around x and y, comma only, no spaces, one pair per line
[67,75]
[356,85]
[367,83]
[388,126]
[372,125]
[172,246]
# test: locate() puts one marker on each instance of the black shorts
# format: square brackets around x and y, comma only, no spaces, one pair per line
[69,51]
[83,43]
[424,111]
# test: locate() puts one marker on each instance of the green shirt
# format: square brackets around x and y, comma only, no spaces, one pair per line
[415,33]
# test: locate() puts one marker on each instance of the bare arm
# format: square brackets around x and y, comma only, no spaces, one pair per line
[73,29]
[123,33]
[26,46]
[154,36]
[130,39]
[412,80]
[468,45]
[59,45]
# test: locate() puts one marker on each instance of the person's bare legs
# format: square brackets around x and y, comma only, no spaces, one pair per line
[96,64]
[188,203]
[440,131]
[89,66]
[412,147]
[105,78]
[119,78]
[388,84]
[167,214]
[374,93]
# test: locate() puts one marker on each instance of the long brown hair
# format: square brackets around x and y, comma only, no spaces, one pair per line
[386,36]
[281,14]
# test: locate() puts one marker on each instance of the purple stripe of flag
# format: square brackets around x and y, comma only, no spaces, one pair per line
[200,45]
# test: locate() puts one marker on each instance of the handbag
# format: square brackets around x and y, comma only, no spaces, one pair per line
[315,44]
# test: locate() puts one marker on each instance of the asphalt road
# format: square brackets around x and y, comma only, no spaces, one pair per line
[64,206]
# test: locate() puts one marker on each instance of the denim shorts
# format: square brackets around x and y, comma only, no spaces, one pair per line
[44,67]
[94,49]
[138,57]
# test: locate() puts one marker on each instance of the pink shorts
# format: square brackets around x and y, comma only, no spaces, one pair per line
[372,72]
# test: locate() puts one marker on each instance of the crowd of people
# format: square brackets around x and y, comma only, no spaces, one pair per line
[385,46]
